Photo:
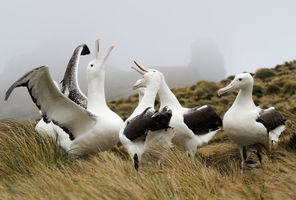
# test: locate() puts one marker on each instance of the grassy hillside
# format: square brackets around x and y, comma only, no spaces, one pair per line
[276,86]
[33,167]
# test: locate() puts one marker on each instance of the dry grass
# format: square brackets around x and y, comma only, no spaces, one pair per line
[33,167]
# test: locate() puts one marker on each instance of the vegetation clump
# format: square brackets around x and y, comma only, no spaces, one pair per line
[273,89]
[264,73]
[290,88]
[257,91]
[206,90]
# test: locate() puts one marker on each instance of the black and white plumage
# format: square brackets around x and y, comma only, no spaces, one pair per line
[148,120]
[205,115]
[70,85]
[271,118]
[53,105]
[71,88]
[245,123]
[193,127]
[146,128]
[91,130]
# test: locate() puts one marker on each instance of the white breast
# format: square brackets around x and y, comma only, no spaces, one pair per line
[242,128]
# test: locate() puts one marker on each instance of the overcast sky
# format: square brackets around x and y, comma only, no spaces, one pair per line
[249,34]
[235,35]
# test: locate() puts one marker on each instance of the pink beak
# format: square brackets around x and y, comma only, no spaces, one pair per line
[226,89]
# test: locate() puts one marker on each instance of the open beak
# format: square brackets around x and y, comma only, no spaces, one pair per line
[97,47]
[108,52]
[226,89]
[144,69]
[140,69]
[138,84]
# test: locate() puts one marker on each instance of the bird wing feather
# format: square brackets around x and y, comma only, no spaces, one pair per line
[53,105]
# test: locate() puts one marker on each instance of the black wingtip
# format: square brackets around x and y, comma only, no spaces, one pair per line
[85,50]
[136,162]
[21,81]
[8,92]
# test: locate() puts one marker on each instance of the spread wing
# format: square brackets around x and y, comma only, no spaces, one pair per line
[270,118]
[202,120]
[53,105]
[70,81]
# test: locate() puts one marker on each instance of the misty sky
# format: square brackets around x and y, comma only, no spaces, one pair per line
[250,34]
[236,35]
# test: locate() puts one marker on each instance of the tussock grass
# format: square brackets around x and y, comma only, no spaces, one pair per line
[34,167]
[22,148]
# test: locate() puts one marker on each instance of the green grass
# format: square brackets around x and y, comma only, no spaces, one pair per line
[34,167]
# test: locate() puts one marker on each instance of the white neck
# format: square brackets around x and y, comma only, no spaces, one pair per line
[96,94]
[140,97]
[167,97]
[244,98]
[147,100]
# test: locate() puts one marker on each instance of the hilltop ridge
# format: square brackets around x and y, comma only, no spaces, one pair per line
[272,87]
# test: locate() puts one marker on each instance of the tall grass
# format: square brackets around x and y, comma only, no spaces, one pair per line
[23,149]
[34,167]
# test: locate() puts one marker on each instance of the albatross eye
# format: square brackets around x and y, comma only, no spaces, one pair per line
[91,65]
[240,79]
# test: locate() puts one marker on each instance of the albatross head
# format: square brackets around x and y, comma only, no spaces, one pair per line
[97,64]
[151,77]
[140,89]
[240,81]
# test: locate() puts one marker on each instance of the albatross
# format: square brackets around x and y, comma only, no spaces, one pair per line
[193,127]
[73,92]
[248,125]
[146,128]
[91,130]
[140,90]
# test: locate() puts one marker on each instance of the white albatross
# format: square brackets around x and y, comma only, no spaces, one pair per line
[93,129]
[146,128]
[193,127]
[140,90]
[73,93]
[248,125]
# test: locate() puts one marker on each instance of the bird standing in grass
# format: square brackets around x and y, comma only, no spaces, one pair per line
[146,128]
[193,127]
[248,125]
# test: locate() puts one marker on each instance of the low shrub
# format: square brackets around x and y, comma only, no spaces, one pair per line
[290,88]
[273,89]
[257,90]
[264,73]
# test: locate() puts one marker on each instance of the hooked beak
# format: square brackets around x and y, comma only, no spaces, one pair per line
[226,89]
[138,84]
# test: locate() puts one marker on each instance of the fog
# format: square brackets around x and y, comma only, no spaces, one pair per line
[119,80]
[187,40]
